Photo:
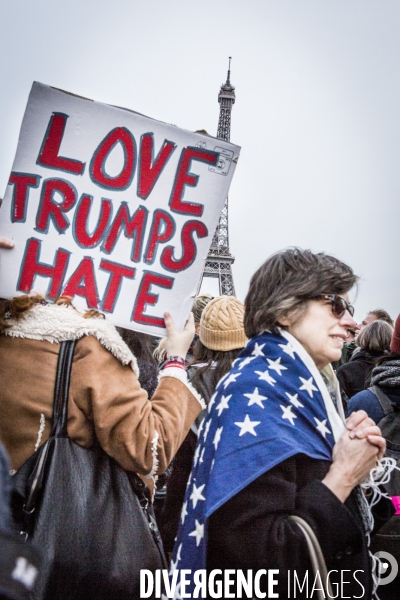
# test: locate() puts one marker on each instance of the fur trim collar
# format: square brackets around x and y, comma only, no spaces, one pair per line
[57,323]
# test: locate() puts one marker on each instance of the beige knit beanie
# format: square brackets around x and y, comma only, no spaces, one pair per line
[221,324]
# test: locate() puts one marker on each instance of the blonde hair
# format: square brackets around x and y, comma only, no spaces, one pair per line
[199,304]
[159,352]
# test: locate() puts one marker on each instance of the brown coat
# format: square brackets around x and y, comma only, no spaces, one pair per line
[105,399]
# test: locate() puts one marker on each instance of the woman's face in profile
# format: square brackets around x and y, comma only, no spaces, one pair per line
[320,332]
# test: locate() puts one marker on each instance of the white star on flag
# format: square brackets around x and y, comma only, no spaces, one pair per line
[223,404]
[246,361]
[210,404]
[321,426]
[287,413]
[200,429]
[207,429]
[308,386]
[178,554]
[198,533]
[184,512]
[288,348]
[265,376]
[294,400]
[172,568]
[247,426]
[202,454]
[232,377]
[196,455]
[178,558]
[258,350]
[255,398]
[196,494]
[217,437]
[275,365]
[212,464]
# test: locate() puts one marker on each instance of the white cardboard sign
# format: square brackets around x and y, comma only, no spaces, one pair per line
[112,208]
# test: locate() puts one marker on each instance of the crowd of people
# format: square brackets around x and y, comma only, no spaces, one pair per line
[254,419]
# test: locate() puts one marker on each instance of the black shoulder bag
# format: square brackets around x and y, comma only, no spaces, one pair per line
[91,519]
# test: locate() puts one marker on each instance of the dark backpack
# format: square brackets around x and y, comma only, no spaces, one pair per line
[388,536]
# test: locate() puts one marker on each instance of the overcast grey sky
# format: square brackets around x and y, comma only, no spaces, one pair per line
[317,109]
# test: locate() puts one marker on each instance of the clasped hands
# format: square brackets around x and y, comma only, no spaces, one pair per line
[354,455]
[360,426]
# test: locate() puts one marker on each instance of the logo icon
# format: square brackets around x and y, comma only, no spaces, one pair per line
[386,560]
[224,161]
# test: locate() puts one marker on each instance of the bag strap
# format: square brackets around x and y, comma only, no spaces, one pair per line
[383,400]
[316,557]
[61,389]
[59,421]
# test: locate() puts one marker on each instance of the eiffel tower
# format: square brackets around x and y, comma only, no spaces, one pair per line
[219,260]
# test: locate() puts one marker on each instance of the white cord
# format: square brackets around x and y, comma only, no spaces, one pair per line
[378,476]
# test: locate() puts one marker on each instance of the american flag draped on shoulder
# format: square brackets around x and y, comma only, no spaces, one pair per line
[272,404]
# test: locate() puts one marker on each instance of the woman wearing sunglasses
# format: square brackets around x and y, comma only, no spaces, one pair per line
[275,444]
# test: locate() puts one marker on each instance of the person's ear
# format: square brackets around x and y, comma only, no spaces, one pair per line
[284,321]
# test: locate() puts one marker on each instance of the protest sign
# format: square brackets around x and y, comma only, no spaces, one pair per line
[112,208]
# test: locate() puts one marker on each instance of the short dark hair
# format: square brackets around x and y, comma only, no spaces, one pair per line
[375,337]
[382,315]
[287,281]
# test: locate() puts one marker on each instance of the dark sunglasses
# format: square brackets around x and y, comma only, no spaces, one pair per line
[339,304]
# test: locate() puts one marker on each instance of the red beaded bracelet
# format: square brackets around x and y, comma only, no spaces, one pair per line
[173,364]
[174,361]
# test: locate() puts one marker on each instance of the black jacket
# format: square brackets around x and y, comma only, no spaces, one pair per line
[352,375]
[252,530]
